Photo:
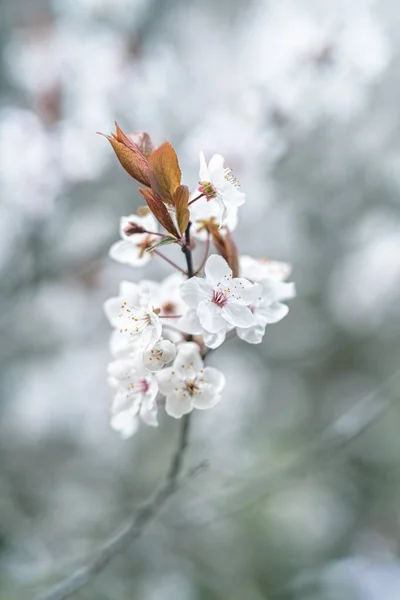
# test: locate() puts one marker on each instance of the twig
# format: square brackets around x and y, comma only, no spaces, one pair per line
[195,199]
[168,260]
[132,529]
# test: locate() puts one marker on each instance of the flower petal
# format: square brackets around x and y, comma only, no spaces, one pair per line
[214,340]
[272,313]
[210,316]
[125,422]
[204,174]
[168,379]
[189,323]
[128,253]
[238,316]
[194,290]
[206,397]
[177,405]
[217,270]
[245,292]
[214,377]
[252,335]
[216,169]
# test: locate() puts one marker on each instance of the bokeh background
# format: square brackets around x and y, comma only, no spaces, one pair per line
[301,500]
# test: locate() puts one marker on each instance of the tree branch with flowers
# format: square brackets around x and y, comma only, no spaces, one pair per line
[163,331]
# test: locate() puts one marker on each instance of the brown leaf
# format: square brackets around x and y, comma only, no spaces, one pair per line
[181,200]
[225,246]
[129,155]
[131,228]
[165,174]
[160,211]
[232,253]
[142,140]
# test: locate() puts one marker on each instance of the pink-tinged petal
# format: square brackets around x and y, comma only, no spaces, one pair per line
[244,291]
[217,270]
[210,316]
[272,313]
[214,377]
[216,169]
[206,397]
[238,316]
[177,405]
[214,340]
[204,174]
[128,253]
[252,335]
[194,290]
[189,323]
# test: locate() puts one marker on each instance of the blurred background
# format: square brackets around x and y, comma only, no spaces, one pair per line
[301,500]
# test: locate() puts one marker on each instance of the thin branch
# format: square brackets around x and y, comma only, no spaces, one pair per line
[168,260]
[132,529]
[195,199]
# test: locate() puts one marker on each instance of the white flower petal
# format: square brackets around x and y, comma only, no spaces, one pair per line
[189,323]
[148,413]
[252,335]
[216,169]
[210,316]
[214,340]
[177,405]
[206,397]
[245,292]
[273,313]
[194,290]
[214,377]
[168,379]
[217,270]
[204,174]
[238,316]
[128,253]
[125,422]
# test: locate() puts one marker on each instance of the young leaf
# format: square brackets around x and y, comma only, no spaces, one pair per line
[160,212]
[181,199]
[164,242]
[165,174]
[143,141]
[225,246]
[129,155]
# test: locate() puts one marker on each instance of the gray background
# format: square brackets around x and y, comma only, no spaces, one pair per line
[301,499]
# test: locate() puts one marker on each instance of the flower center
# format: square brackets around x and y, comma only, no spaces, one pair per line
[141,386]
[220,298]
[208,189]
[191,387]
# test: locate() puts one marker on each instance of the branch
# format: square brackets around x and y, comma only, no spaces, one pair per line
[132,529]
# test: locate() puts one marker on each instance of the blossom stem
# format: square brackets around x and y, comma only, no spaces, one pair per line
[195,199]
[168,260]
[206,249]
[186,249]
[135,526]
[155,233]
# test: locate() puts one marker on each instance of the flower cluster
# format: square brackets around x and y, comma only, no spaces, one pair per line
[162,331]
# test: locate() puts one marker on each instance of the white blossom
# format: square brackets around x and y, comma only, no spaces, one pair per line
[188,384]
[162,353]
[220,301]
[217,182]
[131,249]
[140,320]
[135,397]
[203,212]
[259,269]
[267,309]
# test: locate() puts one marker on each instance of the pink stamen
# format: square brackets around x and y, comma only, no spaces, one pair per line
[219,298]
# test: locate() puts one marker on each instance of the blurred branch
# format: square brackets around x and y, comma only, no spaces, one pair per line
[332,440]
[133,528]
